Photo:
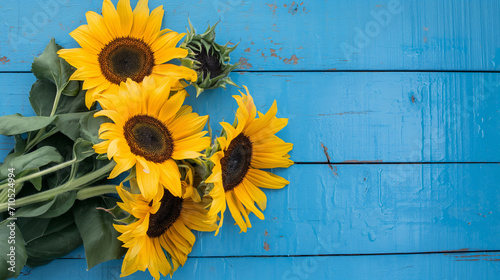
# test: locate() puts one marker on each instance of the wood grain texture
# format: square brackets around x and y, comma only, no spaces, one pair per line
[293,35]
[368,209]
[376,117]
[428,266]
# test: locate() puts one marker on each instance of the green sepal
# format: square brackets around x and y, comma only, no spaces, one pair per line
[195,43]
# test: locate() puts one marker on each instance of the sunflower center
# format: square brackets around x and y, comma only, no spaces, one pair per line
[149,137]
[236,161]
[165,217]
[210,63]
[126,57]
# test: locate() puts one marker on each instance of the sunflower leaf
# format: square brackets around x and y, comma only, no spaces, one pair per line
[51,246]
[82,149]
[9,270]
[72,88]
[34,227]
[35,159]
[49,209]
[18,124]
[69,124]
[100,239]
[89,127]
[43,93]
[53,68]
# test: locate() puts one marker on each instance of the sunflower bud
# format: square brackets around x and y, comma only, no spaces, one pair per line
[209,59]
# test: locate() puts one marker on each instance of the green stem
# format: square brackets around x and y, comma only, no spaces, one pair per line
[35,141]
[41,173]
[56,101]
[69,186]
[95,191]
[40,137]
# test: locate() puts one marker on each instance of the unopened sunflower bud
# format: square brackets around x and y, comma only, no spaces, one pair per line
[209,59]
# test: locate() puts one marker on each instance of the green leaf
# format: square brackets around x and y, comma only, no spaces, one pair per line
[82,149]
[37,181]
[49,209]
[6,244]
[73,104]
[35,159]
[100,239]
[55,245]
[43,93]
[72,88]
[69,124]
[20,144]
[89,127]
[51,67]
[17,124]
[33,227]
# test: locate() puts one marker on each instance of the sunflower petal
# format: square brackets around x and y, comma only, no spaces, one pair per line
[264,179]
[111,19]
[126,16]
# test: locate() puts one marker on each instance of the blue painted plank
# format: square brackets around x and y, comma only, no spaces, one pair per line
[380,117]
[434,266]
[286,35]
[368,209]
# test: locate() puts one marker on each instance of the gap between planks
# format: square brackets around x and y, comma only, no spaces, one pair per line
[450,252]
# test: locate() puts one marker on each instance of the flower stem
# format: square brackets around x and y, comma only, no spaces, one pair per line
[68,186]
[41,173]
[95,191]
[56,101]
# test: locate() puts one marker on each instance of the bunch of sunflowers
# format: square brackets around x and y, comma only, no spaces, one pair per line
[112,113]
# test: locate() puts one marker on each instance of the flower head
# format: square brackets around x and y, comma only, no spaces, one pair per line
[161,225]
[244,151]
[124,44]
[150,130]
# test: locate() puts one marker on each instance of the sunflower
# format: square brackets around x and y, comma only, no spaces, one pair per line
[123,44]
[244,150]
[162,225]
[150,131]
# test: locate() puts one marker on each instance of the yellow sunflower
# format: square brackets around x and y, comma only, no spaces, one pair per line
[123,44]
[150,130]
[245,149]
[162,225]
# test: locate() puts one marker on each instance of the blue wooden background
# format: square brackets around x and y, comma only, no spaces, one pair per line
[394,111]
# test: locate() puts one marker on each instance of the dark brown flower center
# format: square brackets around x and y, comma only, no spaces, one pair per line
[126,57]
[236,161]
[210,63]
[170,209]
[148,137]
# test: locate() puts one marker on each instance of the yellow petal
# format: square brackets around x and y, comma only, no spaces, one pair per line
[126,16]
[111,18]
[167,54]
[264,179]
[141,15]
[98,27]
[153,25]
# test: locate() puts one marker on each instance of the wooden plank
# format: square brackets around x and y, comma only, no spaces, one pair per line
[285,35]
[368,209]
[433,266]
[378,117]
